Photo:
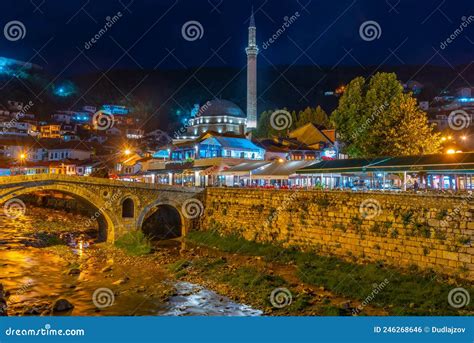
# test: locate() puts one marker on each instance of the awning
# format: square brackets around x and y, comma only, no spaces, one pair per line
[449,163]
[280,170]
[245,168]
[178,171]
[213,170]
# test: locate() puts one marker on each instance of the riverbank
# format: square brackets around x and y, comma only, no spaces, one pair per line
[47,255]
[50,265]
[366,289]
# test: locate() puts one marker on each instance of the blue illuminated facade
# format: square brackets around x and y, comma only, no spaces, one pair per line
[465,99]
[115,109]
[81,117]
[217,147]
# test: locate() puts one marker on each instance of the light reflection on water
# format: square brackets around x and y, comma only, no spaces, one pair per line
[195,300]
[36,277]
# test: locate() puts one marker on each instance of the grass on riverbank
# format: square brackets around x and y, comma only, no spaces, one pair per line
[404,292]
[254,284]
[134,243]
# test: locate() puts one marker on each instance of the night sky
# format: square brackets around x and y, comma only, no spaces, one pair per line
[148,34]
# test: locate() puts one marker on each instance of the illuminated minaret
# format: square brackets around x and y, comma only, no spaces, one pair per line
[252,52]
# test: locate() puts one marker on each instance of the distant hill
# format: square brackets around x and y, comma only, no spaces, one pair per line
[170,94]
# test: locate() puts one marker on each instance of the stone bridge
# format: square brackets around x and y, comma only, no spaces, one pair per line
[117,206]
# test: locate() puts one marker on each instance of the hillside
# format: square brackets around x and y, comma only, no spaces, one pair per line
[169,95]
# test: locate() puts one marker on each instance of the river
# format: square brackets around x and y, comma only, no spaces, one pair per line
[96,279]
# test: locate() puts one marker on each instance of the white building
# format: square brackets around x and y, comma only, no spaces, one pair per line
[221,116]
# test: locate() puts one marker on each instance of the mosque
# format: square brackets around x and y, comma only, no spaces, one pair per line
[216,149]
[223,116]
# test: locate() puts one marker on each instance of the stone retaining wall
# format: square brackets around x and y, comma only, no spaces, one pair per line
[429,231]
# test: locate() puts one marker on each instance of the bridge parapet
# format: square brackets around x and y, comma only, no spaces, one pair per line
[120,206]
[95,181]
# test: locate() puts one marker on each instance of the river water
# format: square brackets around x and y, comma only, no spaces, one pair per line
[94,278]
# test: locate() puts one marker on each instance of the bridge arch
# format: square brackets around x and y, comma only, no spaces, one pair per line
[162,220]
[106,219]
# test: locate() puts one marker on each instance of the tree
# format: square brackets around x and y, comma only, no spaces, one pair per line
[345,117]
[263,125]
[376,118]
[413,135]
[313,115]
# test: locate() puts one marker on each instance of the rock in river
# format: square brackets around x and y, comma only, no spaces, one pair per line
[3,302]
[106,269]
[62,305]
[121,281]
[3,308]
[74,271]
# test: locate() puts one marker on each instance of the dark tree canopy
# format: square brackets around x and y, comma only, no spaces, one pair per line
[376,118]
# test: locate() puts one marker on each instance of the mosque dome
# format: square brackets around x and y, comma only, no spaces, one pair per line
[219,107]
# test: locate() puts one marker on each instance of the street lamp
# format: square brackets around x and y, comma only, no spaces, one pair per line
[22,160]
[127,152]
